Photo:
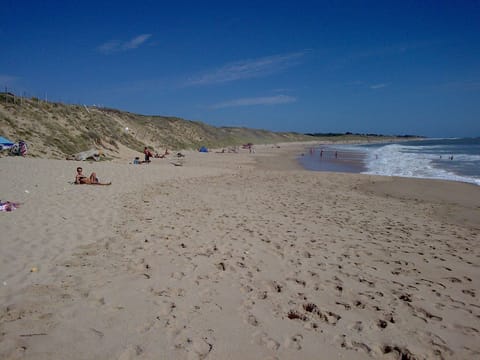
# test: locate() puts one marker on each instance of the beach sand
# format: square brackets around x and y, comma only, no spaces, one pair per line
[236,256]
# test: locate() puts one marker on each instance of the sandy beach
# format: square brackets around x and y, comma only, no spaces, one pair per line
[236,256]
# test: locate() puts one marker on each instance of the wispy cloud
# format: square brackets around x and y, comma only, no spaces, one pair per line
[109,47]
[360,84]
[378,86]
[136,41]
[268,100]
[247,69]
[112,46]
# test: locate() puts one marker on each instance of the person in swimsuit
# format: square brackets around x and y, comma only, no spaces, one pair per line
[82,179]
[148,154]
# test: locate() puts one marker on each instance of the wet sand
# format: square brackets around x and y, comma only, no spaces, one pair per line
[332,159]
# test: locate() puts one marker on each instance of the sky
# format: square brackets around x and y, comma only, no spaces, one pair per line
[384,67]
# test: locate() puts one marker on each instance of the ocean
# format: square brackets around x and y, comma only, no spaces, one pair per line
[448,159]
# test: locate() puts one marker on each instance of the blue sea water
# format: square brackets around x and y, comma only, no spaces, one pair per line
[448,159]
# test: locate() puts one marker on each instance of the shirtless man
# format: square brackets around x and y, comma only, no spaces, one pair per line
[92,180]
[148,154]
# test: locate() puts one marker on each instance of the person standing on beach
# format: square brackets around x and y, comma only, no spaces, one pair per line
[148,154]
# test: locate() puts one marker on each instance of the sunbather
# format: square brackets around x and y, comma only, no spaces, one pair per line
[92,180]
[8,206]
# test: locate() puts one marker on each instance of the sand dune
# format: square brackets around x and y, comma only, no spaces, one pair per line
[236,256]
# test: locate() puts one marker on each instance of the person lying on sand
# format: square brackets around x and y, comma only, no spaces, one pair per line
[92,180]
[8,206]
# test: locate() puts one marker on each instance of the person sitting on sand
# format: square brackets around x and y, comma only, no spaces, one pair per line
[137,161]
[82,179]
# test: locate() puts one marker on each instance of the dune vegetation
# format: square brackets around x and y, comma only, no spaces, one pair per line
[55,130]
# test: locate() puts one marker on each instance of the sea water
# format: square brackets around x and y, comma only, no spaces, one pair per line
[447,159]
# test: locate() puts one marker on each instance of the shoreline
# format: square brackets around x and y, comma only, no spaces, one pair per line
[176,261]
[335,158]
[331,159]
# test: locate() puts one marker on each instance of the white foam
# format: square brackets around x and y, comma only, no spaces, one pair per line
[405,161]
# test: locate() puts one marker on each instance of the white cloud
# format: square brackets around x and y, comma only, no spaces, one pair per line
[377,86]
[109,46]
[269,100]
[136,42]
[247,69]
[112,46]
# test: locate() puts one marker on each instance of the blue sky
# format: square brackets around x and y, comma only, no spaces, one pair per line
[389,67]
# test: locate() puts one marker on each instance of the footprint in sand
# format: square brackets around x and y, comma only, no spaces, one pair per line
[470,292]
[201,347]
[347,343]
[197,347]
[178,275]
[310,308]
[357,326]
[467,330]
[424,314]
[166,308]
[131,352]
[294,342]
[397,352]
[252,320]
[262,338]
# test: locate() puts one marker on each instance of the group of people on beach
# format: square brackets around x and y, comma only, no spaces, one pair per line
[148,154]
[80,178]
[312,151]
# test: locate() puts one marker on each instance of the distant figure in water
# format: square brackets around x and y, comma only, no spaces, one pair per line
[336,154]
[321,153]
[451,157]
